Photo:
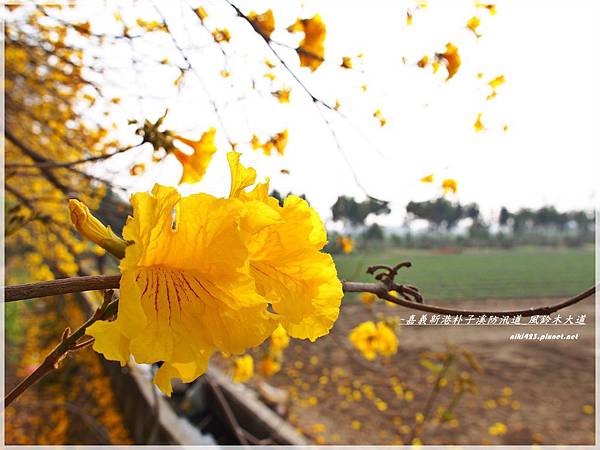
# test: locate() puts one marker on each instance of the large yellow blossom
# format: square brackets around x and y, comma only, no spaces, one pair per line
[186,289]
[297,279]
[204,274]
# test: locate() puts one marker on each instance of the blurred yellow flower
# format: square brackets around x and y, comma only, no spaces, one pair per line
[427,179]
[498,429]
[473,24]
[221,35]
[346,62]
[268,366]
[347,244]
[367,297]
[490,7]
[371,339]
[449,185]
[451,58]
[283,95]
[311,50]
[478,125]
[279,339]
[243,369]
[195,165]
[264,23]
[378,115]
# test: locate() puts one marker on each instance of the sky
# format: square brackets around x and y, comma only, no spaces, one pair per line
[546,51]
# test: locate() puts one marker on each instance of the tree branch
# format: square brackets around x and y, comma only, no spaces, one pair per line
[67,344]
[61,286]
[381,289]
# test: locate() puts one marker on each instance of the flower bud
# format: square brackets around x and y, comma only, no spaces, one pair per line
[93,229]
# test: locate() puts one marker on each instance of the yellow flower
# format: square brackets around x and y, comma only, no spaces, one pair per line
[423,62]
[346,62]
[478,125]
[195,165]
[264,23]
[498,429]
[494,83]
[91,228]
[285,259]
[387,340]
[473,24]
[367,298]
[363,337]
[279,339]
[490,7]
[243,369]
[283,95]
[268,366]
[347,244]
[311,50]
[449,185]
[371,339]
[205,274]
[201,13]
[427,179]
[382,120]
[185,290]
[451,58]
[222,35]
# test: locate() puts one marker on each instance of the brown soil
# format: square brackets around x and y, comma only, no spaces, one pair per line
[551,381]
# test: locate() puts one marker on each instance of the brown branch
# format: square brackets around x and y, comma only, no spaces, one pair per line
[67,344]
[61,286]
[97,282]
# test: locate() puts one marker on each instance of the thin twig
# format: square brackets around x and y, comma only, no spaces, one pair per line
[67,343]
[233,422]
[48,164]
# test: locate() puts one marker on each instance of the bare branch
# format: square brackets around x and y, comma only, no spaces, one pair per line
[61,286]
[68,342]
[381,289]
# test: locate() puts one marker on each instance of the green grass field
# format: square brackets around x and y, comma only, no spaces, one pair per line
[519,273]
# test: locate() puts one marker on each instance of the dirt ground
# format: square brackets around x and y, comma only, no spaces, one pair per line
[541,391]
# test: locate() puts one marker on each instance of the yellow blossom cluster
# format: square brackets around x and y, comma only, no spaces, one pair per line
[205,274]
